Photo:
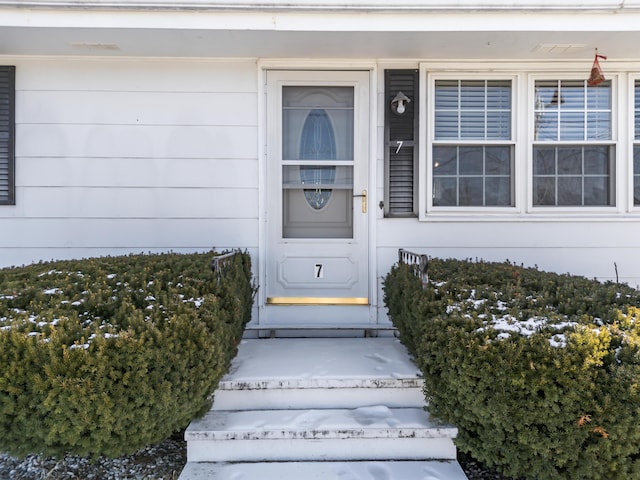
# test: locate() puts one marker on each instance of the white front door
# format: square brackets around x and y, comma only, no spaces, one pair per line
[317,208]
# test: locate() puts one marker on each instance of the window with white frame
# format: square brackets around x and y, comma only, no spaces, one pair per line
[472,149]
[636,145]
[573,157]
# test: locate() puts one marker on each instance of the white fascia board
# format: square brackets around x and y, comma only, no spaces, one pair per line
[323,22]
[340,5]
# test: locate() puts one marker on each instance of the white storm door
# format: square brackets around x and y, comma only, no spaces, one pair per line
[317,180]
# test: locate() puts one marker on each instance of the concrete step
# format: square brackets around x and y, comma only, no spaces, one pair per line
[321,408]
[390,470]
[366,433]
[318,393]
[320,373]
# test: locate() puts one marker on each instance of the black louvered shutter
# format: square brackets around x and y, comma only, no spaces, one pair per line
[7,129]
[401,159]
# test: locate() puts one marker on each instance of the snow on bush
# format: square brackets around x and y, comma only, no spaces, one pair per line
[104,356]
[538,371]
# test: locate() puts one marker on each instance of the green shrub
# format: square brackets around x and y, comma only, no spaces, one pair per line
[103,356]
[540,372]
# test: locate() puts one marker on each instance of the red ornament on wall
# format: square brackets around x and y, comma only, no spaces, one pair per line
[596,77]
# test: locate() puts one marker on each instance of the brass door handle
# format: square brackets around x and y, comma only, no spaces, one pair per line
[363,195]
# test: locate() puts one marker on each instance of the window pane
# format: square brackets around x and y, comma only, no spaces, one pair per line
[546,125]
[471,191]
[447,95]
[598,126]
[596,160]
[472,125]
[569,191]
[497,191]
[499,95]
[596,190]
[569,161]
[445,192]
[573,175]
[301,176]
[497,161]
[576,119]
[544,191]
[571,125]
[477,110]
[470,161]
[472,95]
[317,97]
[546,93]
[447,125]
[571,95]
[472,110]
[544,161]
[317,123]
[498,125]
[472,175]
[578,174]
[599,97]
[445,161]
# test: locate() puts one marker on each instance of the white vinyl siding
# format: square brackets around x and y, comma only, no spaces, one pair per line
[120,156]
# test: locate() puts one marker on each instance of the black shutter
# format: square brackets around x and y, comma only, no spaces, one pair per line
[7,131]
[401,160]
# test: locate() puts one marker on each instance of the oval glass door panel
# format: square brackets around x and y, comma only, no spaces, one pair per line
[317,138]
[318,143]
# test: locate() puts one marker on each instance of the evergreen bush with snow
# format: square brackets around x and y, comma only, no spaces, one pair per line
[540,372]
[104,356]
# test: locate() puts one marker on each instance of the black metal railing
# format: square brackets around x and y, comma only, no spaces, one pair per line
[418,261]
[220,263]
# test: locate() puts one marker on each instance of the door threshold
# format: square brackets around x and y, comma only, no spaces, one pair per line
[317,301]
[274,330]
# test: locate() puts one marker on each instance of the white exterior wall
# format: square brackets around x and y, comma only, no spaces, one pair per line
[134,155]
[592,248]
[127,155]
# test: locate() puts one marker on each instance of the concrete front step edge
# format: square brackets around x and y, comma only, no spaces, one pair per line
[364,470]
[365,422]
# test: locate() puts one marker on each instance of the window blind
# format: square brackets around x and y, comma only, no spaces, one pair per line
[472,110]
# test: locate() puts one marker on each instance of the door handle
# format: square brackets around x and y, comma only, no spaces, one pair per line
[363,195]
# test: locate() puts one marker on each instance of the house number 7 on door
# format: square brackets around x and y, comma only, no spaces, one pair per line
[318,271]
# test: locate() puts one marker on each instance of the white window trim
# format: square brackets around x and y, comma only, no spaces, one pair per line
[523,76]
[579,210]
[630,101]
[429,122]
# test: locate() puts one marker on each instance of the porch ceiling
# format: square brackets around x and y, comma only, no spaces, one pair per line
[479,35]
[350,45]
